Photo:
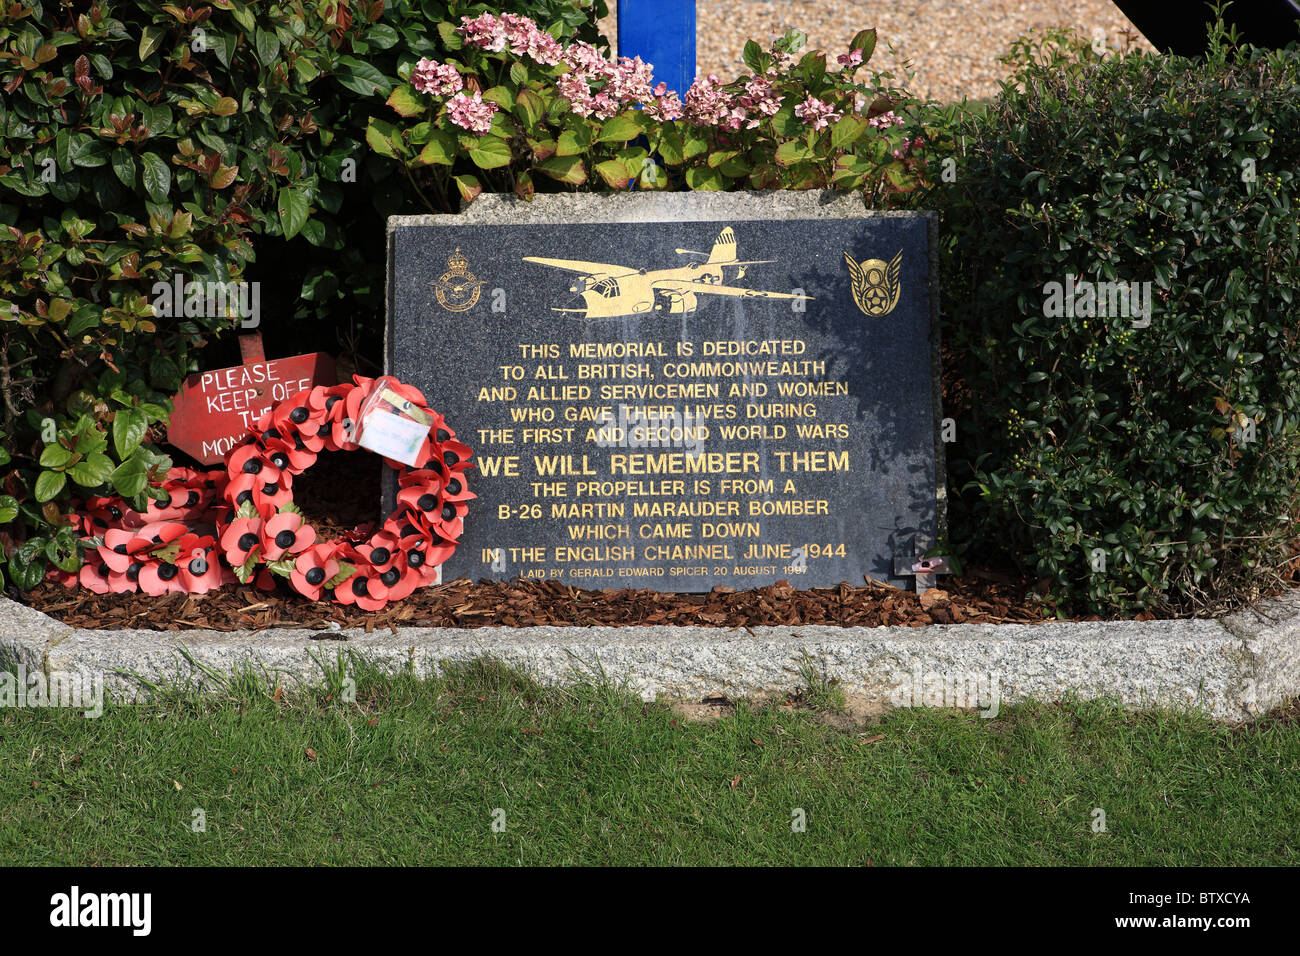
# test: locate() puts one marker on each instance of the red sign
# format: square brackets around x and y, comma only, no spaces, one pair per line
[216,409]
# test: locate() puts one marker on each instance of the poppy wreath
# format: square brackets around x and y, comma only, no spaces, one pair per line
[169,547]
[267,535]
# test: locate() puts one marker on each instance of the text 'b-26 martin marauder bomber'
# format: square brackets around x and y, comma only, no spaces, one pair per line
[611,291]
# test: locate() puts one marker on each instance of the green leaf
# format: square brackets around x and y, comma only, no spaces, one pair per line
[8,508]
[283,567]
[360,77]
[704,179]
[794,151]
[129,477]
[92,472]
[129,427]
[501,96]
[490,152]
[619,129]
[751,55]
[345,571]
[27,574]
[405,102]
[450,38]
[573,141]
[151,38]
[157,177]
[49,484]
[441,149]
[291,204]
[865,41]
[55,456]
[468,186]
[124,167]
[847,130]
[529,107]
[380,143]
[671,147]
[614,172]
[62,550]
[268,46]
[567,169]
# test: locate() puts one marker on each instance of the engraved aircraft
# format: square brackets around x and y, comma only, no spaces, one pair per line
[611,291]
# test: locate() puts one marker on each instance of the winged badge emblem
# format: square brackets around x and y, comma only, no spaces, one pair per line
[876,283]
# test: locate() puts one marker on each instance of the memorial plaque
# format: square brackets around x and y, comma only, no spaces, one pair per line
[678,391]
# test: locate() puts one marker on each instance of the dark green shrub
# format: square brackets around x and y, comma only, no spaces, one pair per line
[140,140]
[1085,439]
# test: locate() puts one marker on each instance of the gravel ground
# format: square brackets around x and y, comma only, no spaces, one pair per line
[952,48]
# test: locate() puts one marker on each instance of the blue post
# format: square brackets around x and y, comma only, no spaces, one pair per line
[661,32]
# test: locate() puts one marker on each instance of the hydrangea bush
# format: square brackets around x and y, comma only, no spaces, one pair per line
[515,109]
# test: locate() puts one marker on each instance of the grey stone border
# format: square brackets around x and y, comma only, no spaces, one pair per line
[1232,668]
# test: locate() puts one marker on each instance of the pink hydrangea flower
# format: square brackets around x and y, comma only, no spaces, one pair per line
[584,59]
[573,87]
[760,98]
[440,79]
[665,105]
[706,103]
[471,112]
[816,113]
[485,32]
[520,34]
[851,59]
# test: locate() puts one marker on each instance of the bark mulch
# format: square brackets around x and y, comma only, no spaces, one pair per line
[976,597]
[329,496]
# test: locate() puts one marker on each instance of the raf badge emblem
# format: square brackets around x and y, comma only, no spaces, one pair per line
[457,289]
[875,283]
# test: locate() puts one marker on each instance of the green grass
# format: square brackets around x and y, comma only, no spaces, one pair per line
[412,773]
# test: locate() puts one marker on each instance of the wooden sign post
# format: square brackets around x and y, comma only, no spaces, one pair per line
[216,409]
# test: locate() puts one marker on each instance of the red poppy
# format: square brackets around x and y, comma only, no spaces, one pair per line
[298,422]
[312,569]
[400,580]
[187,494]
[449,521]
[201,570]
[121,546]
[364,589]
[97,515]
[251,460]
[380,551]
[286,534]
[265,495]
[409,526]
[160,577]
[419,491]
[284,452]
[240,538]
[329,403]
[94,576]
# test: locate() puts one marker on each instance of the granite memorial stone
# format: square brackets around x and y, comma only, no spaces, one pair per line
[679,391]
